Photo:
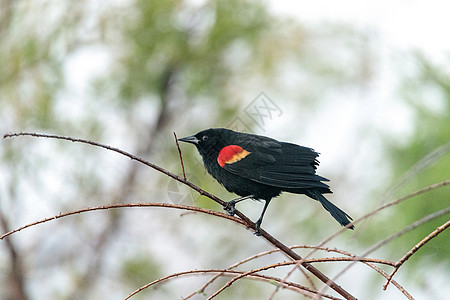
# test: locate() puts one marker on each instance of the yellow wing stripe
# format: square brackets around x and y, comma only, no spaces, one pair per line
[238,157]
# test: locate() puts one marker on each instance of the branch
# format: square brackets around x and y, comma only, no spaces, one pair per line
[122,205]
[179,153]
[288,263]
[241,262]
[381,272]
[227,272]
[248,222]
[411,195]
[377,269]
[242,274]
[235,265]
[391,238]
[411,252]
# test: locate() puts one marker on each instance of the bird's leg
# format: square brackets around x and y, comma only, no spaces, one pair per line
[258,223]
[230,205]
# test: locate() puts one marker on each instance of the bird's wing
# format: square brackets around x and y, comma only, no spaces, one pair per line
[283,165]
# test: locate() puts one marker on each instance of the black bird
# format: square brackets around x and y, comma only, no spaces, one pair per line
[258,167]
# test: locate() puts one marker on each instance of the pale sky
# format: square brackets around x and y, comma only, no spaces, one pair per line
[404,24]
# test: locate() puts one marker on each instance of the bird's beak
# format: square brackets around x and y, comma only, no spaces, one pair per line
[190,139]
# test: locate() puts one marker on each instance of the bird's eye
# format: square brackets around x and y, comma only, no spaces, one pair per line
[205,137]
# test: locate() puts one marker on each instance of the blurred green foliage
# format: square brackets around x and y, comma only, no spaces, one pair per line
[188,45]
[428,93]
[139,270]
[420,162]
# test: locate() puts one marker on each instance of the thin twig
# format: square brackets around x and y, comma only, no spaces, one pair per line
[242,274]
[395,283]
[415,249]
[377,269]
[288,263]
[391,238]
[179,153]
[411,195]
[322,277]
[285,278]
[226,272]
[375,211]
[419,166]
[235,265]
[122,205]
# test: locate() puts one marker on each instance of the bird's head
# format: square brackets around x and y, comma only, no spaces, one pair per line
[209,141]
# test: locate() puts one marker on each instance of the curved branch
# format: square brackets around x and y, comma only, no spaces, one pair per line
[414,249]
[122,205]
[288,263]
[411,195]
[391,238]
[322,277]
[290,285]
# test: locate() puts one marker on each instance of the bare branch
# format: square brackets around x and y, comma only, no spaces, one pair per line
[248,222]
[395,283]
[377,269]
[226,272]
[181,157]
[414,249]
[282,264]
[409,196]
[245,260]
[235,265]
[391,238]
[418,167]
[122,205]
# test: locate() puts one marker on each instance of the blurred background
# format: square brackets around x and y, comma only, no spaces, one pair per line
[366,84]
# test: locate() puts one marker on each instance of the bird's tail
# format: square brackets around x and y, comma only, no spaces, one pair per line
[335,211]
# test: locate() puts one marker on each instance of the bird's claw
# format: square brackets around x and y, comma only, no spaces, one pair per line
[257,228]
[230,207]
[257,232]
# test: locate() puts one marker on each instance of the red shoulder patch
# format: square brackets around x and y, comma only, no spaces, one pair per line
[231,154]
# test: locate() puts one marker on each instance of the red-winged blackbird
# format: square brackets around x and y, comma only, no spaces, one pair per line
[258,167]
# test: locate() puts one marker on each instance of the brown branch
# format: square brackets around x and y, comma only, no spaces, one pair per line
[285,278]
[395,283]
[377,269]
[242,274]
[322,277]
[288,263]
[181,156]
[414,249]
[241,262]
[411,195]
[226,272]
[122,205]
[410,227]
[235,265]
[391,238]
[381,272]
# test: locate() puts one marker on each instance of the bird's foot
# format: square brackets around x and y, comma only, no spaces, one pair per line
[257,228]
[257,232]
[230,207]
